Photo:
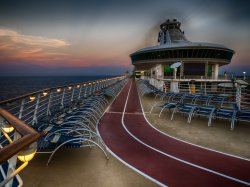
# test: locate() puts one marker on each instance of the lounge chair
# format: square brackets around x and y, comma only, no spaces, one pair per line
[207,111]
[54,141]
[226,113]
[185,109]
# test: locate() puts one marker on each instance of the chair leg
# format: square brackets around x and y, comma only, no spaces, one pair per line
[173,113]
[161,111]
[233,120]
[190,114]
[210,117]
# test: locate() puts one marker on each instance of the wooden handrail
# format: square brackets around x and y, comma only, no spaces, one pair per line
[28,136]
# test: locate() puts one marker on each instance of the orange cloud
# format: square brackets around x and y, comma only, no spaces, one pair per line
[49,52]
[14,45]
[17,38]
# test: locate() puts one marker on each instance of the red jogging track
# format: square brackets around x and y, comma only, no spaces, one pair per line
[164,159]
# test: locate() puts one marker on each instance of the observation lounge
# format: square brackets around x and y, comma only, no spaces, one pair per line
[198,60]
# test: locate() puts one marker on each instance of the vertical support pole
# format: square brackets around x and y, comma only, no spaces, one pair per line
[181,70]
[86,89]
[21,109]
[80,91]
[73,93]
[36,109]
[206,70]
[175,72]
[95,84]
[12,161]
[215,72]
[103,83]
[99,85]
[174,86]
[49,103]
[90,89]
[205,88]
[238,96]
[62,100]
[189,87]
[93,87]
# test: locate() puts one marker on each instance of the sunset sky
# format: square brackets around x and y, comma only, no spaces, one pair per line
[95,37]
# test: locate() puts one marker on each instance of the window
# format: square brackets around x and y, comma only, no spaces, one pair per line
[194,69]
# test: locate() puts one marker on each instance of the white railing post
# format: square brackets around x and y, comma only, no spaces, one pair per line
[99,85]
[106,83]
[72,94]
[62,100]
[80,91]
[102,83]
[238,95]
[49,103]
[12,161]
[36,109]
[90,89]
[94,85]
[205,88]
[86,89]
[21,109]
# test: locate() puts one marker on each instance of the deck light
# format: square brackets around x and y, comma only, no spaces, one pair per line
[32,98]
[7,128]
[78,86]
[28,153]
[84,84]
[58,90]
[244,73]
[69,87]
[90,83]
[45,94]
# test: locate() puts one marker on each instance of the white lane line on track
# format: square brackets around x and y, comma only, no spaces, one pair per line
[137,113]
[173,157]
[121,160]
[184,140]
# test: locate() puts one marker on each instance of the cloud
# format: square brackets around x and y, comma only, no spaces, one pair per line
[14,45]
[18,38]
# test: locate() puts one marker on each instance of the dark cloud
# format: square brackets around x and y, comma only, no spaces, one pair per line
[90,9]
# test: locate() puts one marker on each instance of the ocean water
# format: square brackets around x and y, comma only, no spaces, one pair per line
[11,87]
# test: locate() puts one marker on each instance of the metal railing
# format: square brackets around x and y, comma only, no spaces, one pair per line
[25,111]
[22,137]
[237,90]
[34,106]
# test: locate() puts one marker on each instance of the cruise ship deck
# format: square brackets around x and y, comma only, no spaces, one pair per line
[159,157]
[146,150]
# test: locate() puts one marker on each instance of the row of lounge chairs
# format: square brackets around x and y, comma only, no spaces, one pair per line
[75,126]
[209,106]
